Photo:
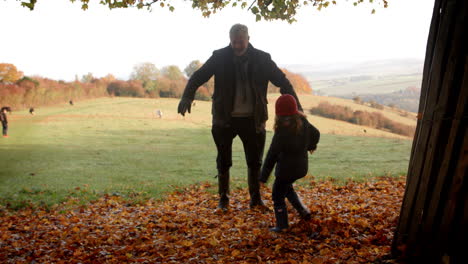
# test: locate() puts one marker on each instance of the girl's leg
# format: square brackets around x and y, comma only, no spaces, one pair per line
[281,213]
[295,201]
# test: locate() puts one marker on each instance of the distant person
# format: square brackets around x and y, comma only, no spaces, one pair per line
[158,113]
[294,137]
[71,102]
[239,106]
[31,110]
[3,118]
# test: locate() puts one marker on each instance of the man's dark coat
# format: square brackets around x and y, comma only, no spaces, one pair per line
[261,70]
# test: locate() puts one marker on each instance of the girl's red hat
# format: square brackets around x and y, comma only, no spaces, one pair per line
[286,105]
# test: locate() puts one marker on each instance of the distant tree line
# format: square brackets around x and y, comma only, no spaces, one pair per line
[19,92]
[406,99]
[363,118]
[146,80]
[371,103]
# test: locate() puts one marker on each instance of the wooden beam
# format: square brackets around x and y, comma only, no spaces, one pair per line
[412,180]
[447,184]
[451,103]
[426,150]
[435,199]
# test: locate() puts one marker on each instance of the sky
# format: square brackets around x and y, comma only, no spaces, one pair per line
[58,40]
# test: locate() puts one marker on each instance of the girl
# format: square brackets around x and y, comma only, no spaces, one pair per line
[293,137]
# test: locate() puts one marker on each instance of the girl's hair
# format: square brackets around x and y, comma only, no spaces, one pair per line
[7,108]
[292,123]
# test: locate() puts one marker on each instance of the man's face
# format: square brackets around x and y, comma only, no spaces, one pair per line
[239,43]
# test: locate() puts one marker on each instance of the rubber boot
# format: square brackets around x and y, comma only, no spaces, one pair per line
[281,215]
[295,201]
[223,190]
[254,188]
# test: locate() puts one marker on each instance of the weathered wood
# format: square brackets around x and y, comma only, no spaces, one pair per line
[424,148]
[455,213]
[447,183]
[447,140]
[435,204]
[453,231]
[412,182]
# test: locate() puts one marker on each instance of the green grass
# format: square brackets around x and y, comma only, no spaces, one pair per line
[357,158]
[115,146]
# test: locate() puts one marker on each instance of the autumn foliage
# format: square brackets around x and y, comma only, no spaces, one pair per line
[37,91]
[20,92]
[9,73]
[131,88]
[300,84]
[363,118]
[171,88]
[353,223]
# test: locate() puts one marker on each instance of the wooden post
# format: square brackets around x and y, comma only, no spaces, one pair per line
[433,219]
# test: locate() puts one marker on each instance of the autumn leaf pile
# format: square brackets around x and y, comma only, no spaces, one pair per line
[351,223]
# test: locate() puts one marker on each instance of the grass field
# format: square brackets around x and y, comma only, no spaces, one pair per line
[117,146]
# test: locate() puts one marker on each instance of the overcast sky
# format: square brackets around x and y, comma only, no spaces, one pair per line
[58,40]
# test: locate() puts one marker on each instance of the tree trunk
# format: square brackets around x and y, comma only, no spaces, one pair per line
[433,224]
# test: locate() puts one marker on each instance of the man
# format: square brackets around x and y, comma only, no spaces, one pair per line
[239,105]
[4,120]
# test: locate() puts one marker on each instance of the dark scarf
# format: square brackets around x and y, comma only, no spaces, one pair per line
[240,63]
[241,66]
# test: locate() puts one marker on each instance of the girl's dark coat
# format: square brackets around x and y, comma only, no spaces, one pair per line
[289,152]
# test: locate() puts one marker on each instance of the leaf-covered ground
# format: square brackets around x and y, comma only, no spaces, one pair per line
[351,224]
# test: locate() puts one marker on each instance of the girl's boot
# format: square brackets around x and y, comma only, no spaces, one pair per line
[295,201]
[281,215]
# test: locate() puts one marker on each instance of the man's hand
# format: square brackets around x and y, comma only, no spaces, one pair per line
[311,151]
[184,106]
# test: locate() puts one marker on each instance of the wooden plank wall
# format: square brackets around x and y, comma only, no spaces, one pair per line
[433,219]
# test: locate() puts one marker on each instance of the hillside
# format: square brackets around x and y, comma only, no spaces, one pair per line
[370,77]
[407,99]
[201,114]
[331,126]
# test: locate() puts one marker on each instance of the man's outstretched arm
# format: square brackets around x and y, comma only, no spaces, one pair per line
[197,79]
